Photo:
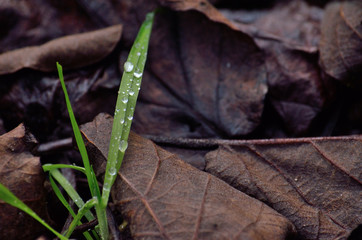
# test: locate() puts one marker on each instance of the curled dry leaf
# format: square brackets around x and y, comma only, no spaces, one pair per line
[341,42]
[315,183]
[71,51]
[21,173]
[163,197]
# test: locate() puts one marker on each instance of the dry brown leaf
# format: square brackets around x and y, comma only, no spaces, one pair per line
[210,85]
[21,173]
[314,182]
[296,87]
[163,197]
[341,41]
[71,51]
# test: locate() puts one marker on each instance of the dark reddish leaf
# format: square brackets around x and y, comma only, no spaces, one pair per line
[30,23]
[341,42]
[21,173]
[209,85]
[300,32]
[297,90]
[163,197]
[314,182]
[72,52]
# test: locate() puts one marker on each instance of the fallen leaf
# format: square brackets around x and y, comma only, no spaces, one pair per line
[72,52]
[297,90]
[163,197]
[37,99]
[210,85]
[314,182]
[341,41]
[22,174]
[23,25]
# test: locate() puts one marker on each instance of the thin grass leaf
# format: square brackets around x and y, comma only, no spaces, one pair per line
[72,193]
[81,212]
[92,181]
[7,196]
[48,167]
[60,196]
[125,106]
[62,199]
[91,177]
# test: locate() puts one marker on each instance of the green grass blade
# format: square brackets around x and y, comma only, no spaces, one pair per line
[60,196]
[48,167]
[72,193]
[7,196]
[92,181]
[126,102]
[81,212]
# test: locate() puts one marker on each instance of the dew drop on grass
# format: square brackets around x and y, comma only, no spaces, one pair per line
[128,66]
[130,117]
[137,74]
[106,187]
[125,100]
[138,54]
[123,146]
[122,121]
[112,171]
[131,93]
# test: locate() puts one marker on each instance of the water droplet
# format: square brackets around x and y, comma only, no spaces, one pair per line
[128,66]
[130,117]
[125,100]
[106,186]
[137,74]
[112,171]
[138,54]
[131,93]
[123,146]
[124,109]
[122,121]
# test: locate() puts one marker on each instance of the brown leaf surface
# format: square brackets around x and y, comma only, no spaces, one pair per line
[22,173]
[71,51]
[210,85]
[314,182]
[341,42]
[163,197]
[296,88]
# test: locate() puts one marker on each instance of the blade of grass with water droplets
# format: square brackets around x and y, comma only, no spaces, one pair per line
[126,102]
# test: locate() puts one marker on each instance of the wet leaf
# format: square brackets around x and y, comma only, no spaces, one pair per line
[163,197]
[22,174]
[314,182]
[72,52]
[341,42]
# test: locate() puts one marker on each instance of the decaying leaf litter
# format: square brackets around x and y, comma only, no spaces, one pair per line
[230,73]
